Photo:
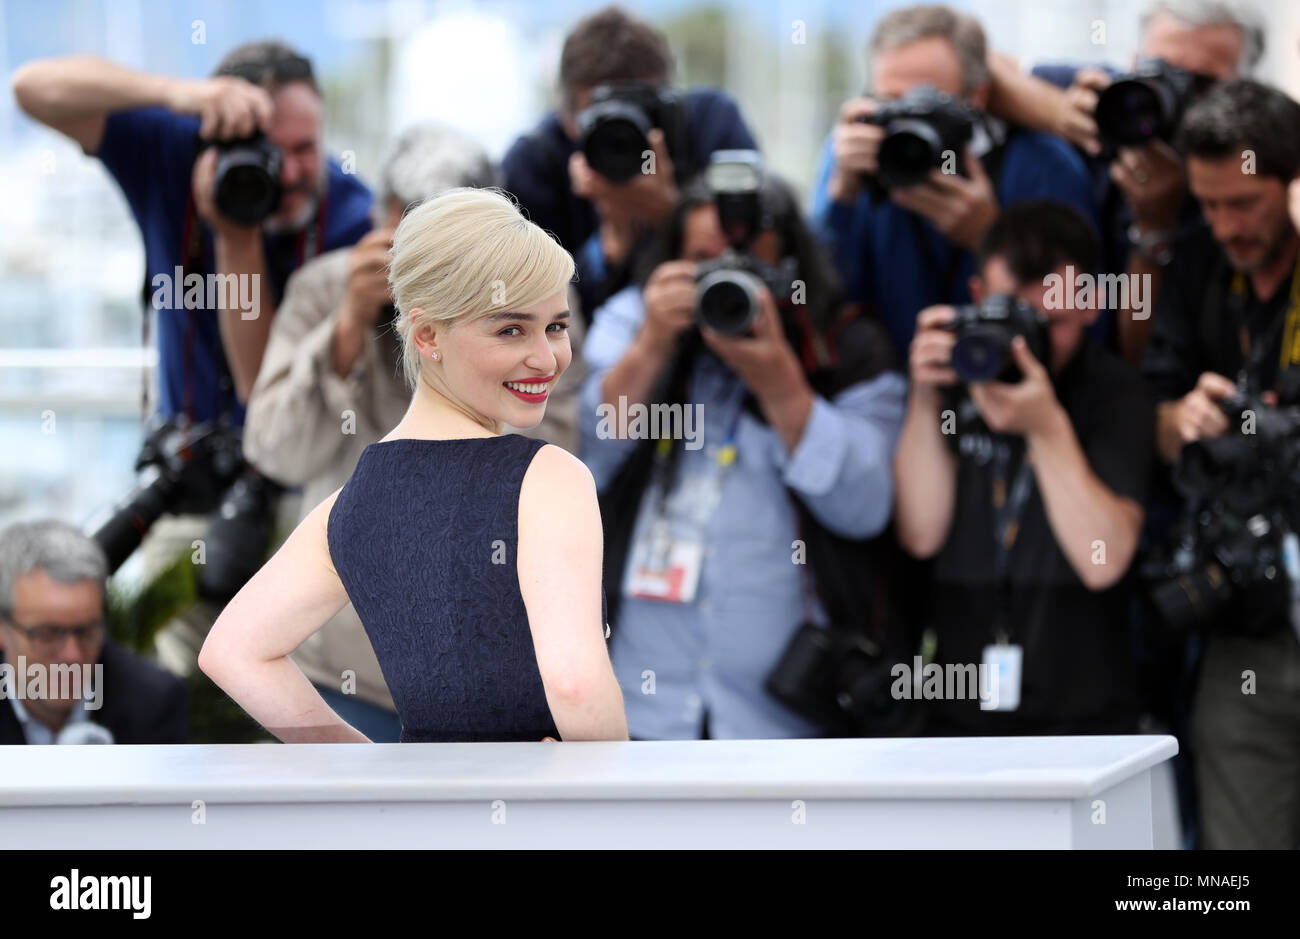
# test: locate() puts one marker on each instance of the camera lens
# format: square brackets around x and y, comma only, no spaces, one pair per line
[728,302]
[1131,112]
[909,151]
[615,138]
[247,187]
[980,353]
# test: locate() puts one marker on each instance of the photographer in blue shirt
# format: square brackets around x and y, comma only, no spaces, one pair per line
[781,418]
[600,213]
[229,183]
[903,246]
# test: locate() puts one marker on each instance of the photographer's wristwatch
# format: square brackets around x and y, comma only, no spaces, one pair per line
[1157,246]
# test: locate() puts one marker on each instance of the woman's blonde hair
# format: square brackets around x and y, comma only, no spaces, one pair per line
[464,254]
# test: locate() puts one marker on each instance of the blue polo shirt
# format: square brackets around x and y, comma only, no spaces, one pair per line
[151,152]
[894,261]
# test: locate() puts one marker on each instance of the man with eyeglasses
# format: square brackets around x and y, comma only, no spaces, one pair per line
[52,633]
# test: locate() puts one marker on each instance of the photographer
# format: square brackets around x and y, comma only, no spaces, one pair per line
[1221,358]
[1141,190]
[230,186]
[798,414]
[905,244]
[331,384]
[599,220]
[1032,505]
[150,132]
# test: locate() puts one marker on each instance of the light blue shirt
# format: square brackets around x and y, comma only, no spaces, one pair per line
[716,652]
[38,733]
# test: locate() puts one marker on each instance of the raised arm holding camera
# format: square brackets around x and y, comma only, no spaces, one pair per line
[1022,470]
[914,174]
[1125,124]
[230,186]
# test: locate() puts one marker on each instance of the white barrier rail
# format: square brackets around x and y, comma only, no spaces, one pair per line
[985,792]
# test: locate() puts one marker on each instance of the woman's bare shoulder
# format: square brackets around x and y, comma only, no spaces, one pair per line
[556,483]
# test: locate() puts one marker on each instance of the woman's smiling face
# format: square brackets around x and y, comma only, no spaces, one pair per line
[505,365]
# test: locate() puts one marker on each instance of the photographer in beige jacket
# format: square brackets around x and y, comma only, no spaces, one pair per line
[331,383]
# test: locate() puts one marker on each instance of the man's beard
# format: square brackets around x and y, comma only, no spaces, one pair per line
[273,226]
[1282,240]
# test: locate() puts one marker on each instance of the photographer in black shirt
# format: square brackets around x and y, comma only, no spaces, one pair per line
[1222,362]
[1028,493]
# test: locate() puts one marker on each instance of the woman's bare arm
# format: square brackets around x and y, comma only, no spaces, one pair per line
[247,651]
[559,564]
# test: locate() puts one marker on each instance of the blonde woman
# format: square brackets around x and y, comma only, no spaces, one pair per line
[473,558]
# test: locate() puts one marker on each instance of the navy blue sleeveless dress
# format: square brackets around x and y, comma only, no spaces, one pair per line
[424,537]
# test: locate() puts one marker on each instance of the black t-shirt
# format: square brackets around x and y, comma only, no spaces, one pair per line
[1077,673]
[1197,324]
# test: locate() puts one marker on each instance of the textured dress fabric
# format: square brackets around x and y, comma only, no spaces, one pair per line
[424,537]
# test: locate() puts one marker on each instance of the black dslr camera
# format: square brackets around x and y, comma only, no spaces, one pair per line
[614,131]
[1229,549]
[197,469]
[984,332]
[247,184]
[1148,104]
[729,286]
[920,128]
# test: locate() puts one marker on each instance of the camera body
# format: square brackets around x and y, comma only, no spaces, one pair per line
[246,188]
[920,128]
[841,679]
[1148,104]
[984,333]
[183,470]
[614,130]
[1229,551]
[728,290]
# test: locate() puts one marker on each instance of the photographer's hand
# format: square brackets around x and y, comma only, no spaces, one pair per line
[1029,407]
[1153,183]
[770,369]
[365,296]
[230,108]
[854,146]
[1194,416]
[645,200]
[1075,116]
[962,209]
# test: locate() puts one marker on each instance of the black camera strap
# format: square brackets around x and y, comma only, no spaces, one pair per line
[1284,326]
[1009,502]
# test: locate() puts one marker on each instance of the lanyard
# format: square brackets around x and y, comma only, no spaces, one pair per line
[1288,321]
[1008,511]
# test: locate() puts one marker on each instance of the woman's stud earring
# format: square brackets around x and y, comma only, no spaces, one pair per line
[433,355]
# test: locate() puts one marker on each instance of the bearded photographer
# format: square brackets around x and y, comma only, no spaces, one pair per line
[1222,359]
[903,207]
[576,174]
[1023,474]
[229,184]
[799,410]
[1140,186]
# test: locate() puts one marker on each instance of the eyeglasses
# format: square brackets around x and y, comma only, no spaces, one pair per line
[53,637]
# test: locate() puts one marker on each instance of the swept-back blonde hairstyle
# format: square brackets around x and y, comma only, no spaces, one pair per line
[465,254]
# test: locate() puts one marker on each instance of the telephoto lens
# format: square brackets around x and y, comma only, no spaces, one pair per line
[729,301]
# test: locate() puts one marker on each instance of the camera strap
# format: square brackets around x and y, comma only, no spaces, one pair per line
[1286,322]
[1008,512]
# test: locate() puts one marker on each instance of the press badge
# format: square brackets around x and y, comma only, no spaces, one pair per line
[668,545]
[1002,665]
